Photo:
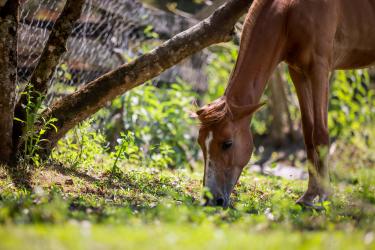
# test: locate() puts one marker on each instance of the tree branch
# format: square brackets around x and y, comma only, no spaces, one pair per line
[49,60]
[87,100]
[8,75]
[56,45]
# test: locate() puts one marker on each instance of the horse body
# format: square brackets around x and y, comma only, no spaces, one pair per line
[342,31]
[313,37]
[355,35]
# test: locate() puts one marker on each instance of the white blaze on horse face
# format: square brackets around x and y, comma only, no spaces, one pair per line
[207,143]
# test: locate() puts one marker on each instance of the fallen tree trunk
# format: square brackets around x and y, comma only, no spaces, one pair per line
[87,100]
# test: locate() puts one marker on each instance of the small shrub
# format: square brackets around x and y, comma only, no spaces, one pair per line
[83,146]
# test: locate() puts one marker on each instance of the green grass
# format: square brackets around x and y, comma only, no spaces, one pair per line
[79,202]
[145,208]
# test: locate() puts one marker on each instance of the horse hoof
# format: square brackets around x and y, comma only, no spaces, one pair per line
[309,205]
[324,197]
[304,203]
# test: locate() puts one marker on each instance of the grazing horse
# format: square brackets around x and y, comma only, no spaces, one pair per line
[314,37]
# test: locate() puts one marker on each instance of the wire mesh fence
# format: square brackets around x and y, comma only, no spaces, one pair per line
[106,31]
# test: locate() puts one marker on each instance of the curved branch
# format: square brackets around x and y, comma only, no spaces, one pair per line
[87,100]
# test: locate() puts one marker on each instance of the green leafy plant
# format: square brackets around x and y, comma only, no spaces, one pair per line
[84,146]
[161,156]
[34,131]
[218,70]
[126,150]
[157,117]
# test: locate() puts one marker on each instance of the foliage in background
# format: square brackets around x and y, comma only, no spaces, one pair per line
[160,116]
[352,104]
[154,128]
[220,64]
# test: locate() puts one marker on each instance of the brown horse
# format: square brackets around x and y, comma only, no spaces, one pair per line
[314,37]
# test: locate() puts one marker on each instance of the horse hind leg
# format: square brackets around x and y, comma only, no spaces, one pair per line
[319,77]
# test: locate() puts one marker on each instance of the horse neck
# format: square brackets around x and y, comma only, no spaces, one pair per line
[261,49]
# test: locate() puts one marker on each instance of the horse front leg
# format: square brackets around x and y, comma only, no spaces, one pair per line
[305,98]
[313,105]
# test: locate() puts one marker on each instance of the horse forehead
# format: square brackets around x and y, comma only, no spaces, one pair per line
[216,133]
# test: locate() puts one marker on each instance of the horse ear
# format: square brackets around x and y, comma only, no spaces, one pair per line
[240,112]
[195,115]
[199,112]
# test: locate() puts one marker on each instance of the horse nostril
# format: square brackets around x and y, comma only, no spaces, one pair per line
[220,202]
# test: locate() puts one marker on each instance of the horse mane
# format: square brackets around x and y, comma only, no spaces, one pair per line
[219,109]
[255,11]
[214,112]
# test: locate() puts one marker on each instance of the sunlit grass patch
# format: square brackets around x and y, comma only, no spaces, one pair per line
[160,236]
[148,195]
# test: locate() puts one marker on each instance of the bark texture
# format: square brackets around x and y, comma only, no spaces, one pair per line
[49,60]
[87,100]
[8,75]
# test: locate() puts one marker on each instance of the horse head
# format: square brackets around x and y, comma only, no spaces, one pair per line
[227,144]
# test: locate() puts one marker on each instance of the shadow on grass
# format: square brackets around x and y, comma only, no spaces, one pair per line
[139,183]
[58,167]
[21,175]
[288,149]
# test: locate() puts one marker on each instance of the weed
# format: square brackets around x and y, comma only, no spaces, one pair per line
[33,131]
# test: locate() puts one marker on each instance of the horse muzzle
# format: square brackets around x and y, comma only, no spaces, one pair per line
[217,201]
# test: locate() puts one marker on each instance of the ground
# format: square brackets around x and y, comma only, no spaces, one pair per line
[147,208]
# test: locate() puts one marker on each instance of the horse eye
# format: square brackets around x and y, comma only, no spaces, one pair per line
[226,145]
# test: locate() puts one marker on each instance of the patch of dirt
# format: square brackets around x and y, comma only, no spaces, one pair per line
[48,177]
